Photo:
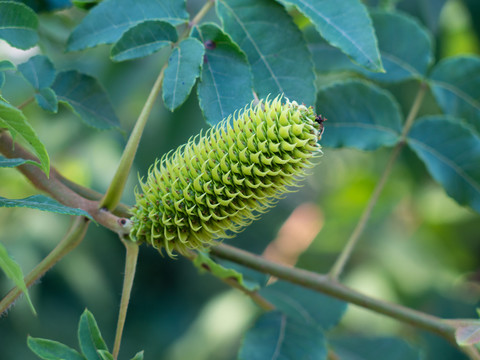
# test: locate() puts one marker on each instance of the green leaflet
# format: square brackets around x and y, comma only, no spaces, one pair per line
[110,19]
[44,203]
[346,25]
[87,99]
[18,25]
[184,67]
[372,118]
[143,39]
[13,271]
[225,80]
[451,152]
[277,336]
[14,120]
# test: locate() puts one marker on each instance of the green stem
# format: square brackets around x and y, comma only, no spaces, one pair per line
[115,190]
[414,109]
[471,352]
[130,266]
[331,287]
[202,12]
[71,240]
[352,241]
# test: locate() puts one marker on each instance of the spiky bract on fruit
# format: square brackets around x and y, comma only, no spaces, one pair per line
[220,181]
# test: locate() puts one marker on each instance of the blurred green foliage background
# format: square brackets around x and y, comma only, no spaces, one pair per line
[420,248]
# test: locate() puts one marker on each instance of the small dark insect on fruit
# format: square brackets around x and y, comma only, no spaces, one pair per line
[320,120]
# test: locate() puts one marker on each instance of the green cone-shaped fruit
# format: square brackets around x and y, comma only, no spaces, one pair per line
[220,181]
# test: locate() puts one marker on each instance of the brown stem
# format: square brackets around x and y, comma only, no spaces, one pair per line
[121,210]
[56,189]
[26,102]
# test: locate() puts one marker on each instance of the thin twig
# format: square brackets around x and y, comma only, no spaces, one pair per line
[352,241]
[200,15]
[331,287]
[130,266]
[115,190]
[26,102]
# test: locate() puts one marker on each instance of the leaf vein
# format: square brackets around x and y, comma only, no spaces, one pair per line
[468,179]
